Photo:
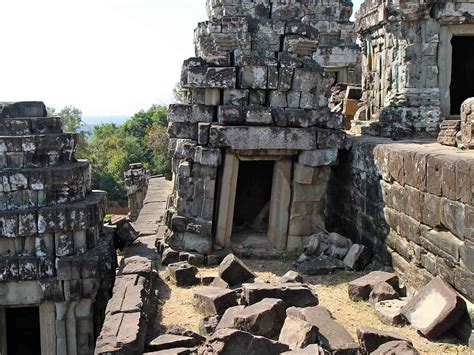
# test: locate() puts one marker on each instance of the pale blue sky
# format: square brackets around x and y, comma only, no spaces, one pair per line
[107,57]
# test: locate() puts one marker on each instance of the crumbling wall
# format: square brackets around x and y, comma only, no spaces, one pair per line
[136,182]
[259,88]
[52,252]
[406,64]
[412,204]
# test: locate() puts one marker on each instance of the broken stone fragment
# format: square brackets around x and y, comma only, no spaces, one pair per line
[228,318]
[359,289]
[370,338]
[321,265]
[208,324]
[297,333]
[292,276]
[183,274]
[23,109]
[358,257]
[126,234]
[333,336]
[435,309]
[169,256]
[389,312]
[170,341]
[382,292]
[233,271]
[173,351]
[263,318]
[292,294]
[213,300]
[237,342]
[395,347]
[313,349]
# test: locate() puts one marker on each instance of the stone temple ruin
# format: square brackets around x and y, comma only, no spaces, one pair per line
[56,268]
[254,141]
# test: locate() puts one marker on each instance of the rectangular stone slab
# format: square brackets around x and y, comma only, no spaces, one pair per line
[245,138]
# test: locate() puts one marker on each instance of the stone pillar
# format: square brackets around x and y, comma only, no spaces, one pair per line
[47,315]
[136,181]
[280,203]
[85,327]
[228,190]
[61,334]
[467,124]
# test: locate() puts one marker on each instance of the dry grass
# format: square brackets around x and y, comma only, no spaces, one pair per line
[177,306]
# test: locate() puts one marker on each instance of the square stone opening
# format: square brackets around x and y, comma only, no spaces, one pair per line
[21,331]
[462,71]
[252,200]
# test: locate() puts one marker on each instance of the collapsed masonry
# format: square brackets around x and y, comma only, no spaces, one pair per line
[253,143]
[55,266]
[417,65]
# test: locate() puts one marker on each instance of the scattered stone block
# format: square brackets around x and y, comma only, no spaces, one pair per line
[297,333]
[236,342]
[170,341]
[213,300]
[382,292]
[358,257]
[174,351]
[435,309]
[313,349]
[263,318]
[292,294]
[233,271]
[126,234]
[183,274]
[333,336]
[292,277]
[360,289]
[169,256]
[395,347]
[218,282]
[389,312]
[321,265]
[228,318]
[370,338]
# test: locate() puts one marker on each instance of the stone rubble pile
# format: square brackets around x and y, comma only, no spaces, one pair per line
[53,252]
[247,316]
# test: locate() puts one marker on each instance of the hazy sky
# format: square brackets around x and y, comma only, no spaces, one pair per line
[107,57]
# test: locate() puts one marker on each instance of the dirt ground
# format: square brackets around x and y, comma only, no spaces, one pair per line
[177,309]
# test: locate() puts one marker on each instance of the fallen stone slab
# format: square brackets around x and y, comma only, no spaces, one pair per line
[292,294]
[435,309]
[169,256]
[332,335]
[228,318]
[291,276]
[389,312]
[125,234]
[137,264]
[170,341]
[313,349]
[358,257]
[370,338]
[263,318]
[321,265]
[183,274]
[383,291]
[233,271]
[395,347]
[218,282]
[213,300]
[175,351]
[297,333]
[237,342]
[177,330]
[360,289]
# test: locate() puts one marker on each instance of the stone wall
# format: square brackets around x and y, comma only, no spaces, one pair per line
[412,203]
[136,182]
[52,252]
[407,63]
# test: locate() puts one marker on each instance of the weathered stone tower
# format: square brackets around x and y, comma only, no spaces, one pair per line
[254,139]
[55,268]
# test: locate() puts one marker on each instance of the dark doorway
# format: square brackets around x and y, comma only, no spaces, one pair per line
[23,331]
[462,72]
[252,199]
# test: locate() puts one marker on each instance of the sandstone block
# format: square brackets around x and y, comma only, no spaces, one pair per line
[370,338]
[382,292]
[389,312]
[253,77]
[303,174]
[228,318]
[171,341]
[313,349]
[320,157]
[359,289]
[233,271]
[23,109]
[213,300]
[291,276]
[395,347]
[358,257]
[292,294]
[435,309]
[297,333]
[182,274]
[258,116]
[320,265]
[208,324]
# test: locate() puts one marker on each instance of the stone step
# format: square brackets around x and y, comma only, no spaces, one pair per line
[36,151]
[28,188]
[24,126]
